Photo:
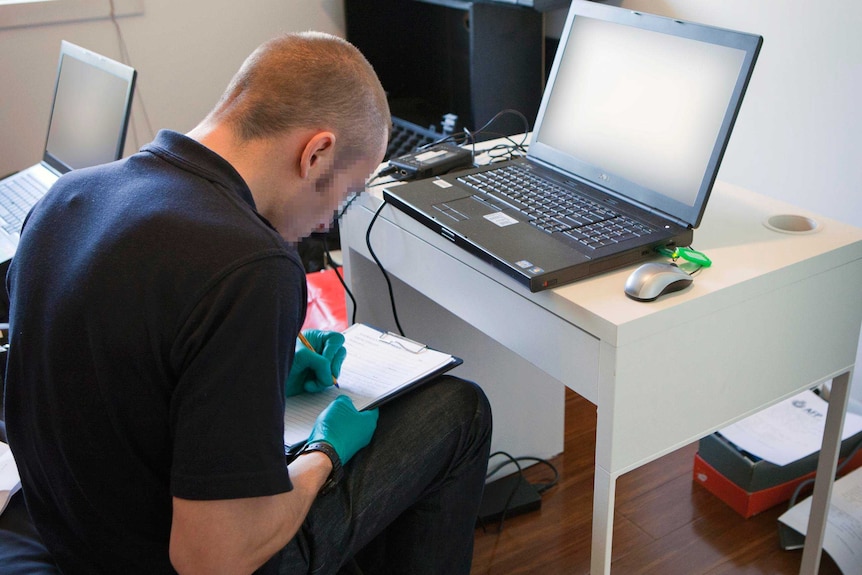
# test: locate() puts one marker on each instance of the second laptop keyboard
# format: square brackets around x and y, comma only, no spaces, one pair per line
[17,196]
[553,208]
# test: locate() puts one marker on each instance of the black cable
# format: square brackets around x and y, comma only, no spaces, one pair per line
[540,488]
[504,112]
[380,265]
[503,152]
[385,171]
[382,172]
[340,278]
[470,137]
[511,496]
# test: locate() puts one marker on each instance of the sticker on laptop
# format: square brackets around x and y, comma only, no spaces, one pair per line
[529,267]
[500,219]
[442,184]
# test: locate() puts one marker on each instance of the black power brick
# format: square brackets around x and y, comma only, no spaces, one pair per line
[431,161]
[497,494]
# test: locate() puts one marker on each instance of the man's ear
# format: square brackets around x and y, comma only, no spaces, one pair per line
[318,150]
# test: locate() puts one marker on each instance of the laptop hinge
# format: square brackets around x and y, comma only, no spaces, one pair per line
[659,213]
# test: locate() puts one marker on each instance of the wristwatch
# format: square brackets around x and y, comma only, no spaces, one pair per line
[336,473]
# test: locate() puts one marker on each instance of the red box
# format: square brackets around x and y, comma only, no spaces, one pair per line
[749,503]
[327,304]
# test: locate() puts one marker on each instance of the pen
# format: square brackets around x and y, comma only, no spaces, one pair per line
[307,344]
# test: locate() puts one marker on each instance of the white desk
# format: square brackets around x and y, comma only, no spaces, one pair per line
[777,313]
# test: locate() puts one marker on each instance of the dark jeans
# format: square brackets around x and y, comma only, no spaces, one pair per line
[408,502]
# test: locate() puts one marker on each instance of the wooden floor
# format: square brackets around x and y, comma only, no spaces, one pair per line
[664,524]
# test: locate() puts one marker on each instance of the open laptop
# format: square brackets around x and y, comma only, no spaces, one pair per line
[87,126]
[633,124]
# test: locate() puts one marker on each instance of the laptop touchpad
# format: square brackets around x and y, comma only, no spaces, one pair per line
[468,208]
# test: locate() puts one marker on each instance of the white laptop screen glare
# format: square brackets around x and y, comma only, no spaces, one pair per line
[634,105]
[88,115]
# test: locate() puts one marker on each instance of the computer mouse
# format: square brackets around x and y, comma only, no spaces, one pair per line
[652,280]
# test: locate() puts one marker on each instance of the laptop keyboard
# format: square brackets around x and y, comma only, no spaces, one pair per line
[17,196]
[552,208]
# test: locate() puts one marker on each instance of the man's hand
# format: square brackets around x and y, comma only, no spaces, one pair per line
[344,428]
[313,371]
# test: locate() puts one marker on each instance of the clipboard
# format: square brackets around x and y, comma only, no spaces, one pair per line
[379,367]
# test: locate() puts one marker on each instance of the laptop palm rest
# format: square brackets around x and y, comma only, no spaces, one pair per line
[504,232]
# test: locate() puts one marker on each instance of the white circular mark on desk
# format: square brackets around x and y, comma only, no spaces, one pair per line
[792,224]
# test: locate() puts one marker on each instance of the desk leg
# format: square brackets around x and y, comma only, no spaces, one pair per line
[604,492]
[826,466]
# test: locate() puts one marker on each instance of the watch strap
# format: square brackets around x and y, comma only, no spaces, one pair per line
[337,471]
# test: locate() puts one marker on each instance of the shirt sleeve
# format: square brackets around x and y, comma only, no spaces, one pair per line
[227,412]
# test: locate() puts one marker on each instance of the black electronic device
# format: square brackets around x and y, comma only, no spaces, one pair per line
[507,497]
[468,58]
[431,161]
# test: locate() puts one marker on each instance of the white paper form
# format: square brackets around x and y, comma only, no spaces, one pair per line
[787,431]
[10,482]
[843,538]
[375,368]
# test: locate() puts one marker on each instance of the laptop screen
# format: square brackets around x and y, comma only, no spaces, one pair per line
[90,110]
[643,105]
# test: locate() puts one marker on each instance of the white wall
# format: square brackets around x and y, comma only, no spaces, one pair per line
[797,136]
[185,53]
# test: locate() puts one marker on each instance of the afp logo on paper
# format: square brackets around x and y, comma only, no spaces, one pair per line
[802,405]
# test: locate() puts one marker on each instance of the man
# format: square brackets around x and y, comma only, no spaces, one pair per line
[155,306]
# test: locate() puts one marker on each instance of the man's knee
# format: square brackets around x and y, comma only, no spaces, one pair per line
[442,411]
[467,399]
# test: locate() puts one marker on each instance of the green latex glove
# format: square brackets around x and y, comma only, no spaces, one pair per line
[312,371]
[344,428]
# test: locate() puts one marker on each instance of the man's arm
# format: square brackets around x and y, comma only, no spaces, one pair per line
[240,535]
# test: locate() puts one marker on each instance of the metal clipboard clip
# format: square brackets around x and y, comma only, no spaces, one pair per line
[402,342]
